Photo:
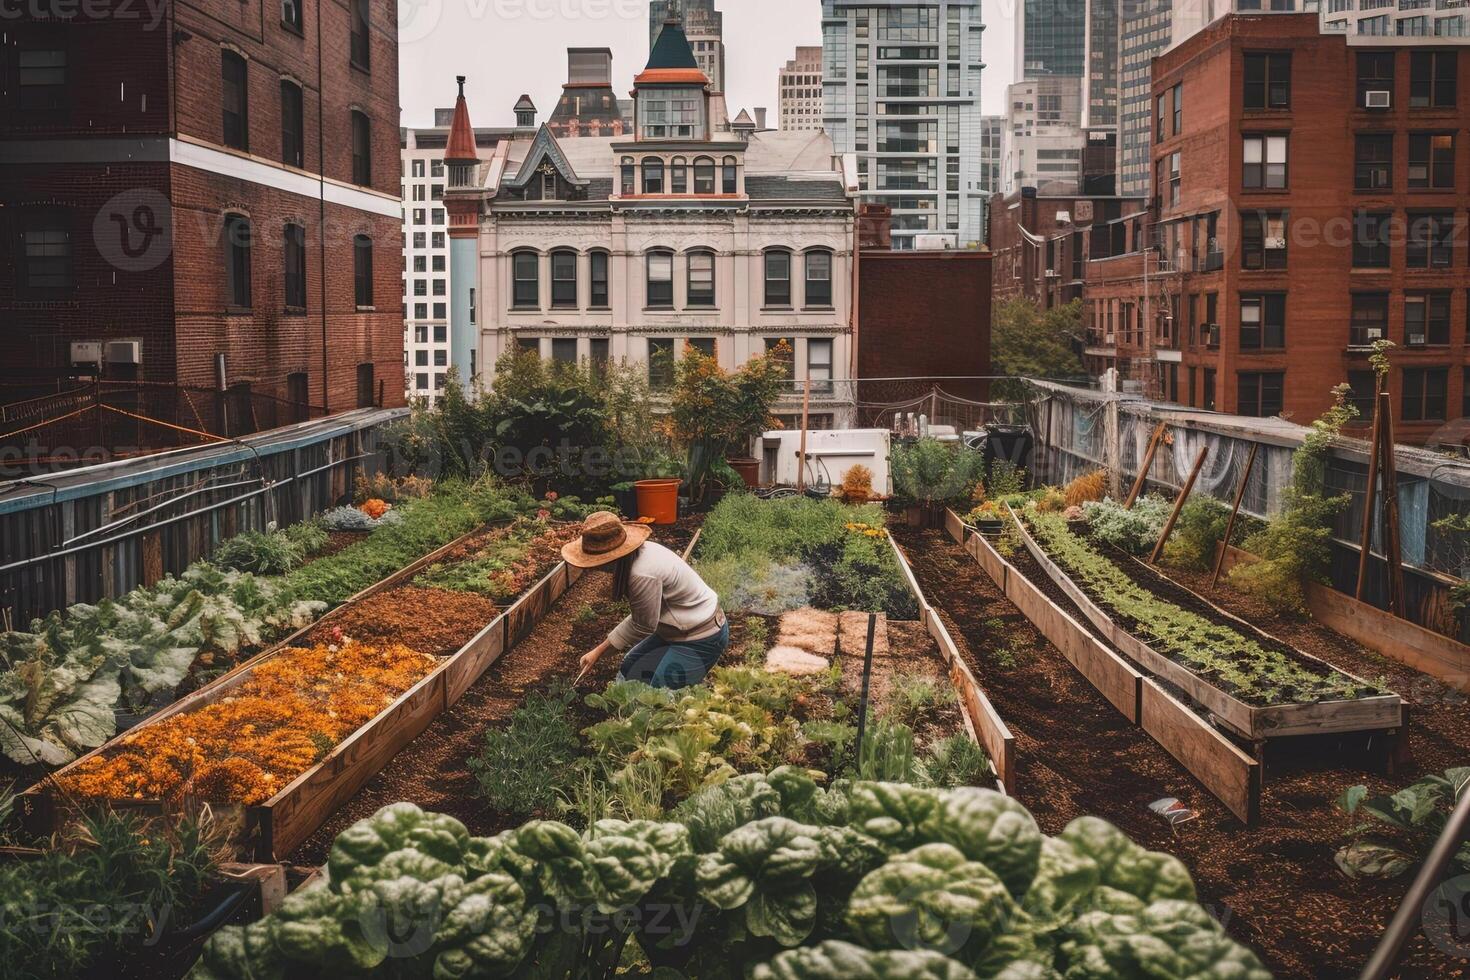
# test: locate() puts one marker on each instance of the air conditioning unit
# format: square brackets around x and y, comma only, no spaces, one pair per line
[125,352]
[1379,99]
[86,352]
[1051,273]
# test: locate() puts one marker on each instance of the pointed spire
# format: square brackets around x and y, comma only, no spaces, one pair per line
[461,148]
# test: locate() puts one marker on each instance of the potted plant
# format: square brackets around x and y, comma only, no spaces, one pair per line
[928,475]
[626,499]
[717,413]
[988,519]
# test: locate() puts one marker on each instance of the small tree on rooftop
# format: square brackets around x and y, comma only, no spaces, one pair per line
[716,412]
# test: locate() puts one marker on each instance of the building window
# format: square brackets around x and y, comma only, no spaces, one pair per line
[1174,178]
[362,149]
[564,350]
[599,349]
[629,173]
[819,279]
[1432,79]
[1363,394]
[660,363]
[1431,161]
[237,261]
[778,278]
[473,307]
[1370,240]
[1263,240]
[1431,240]
[598,298]
[1425,394]
[1259,393]
[40,80]
[563,280]
[1427,319]
[704,345]
[1263,322]
[1373,162]
[292,152]
[701,279]
[679,176]
[1161,117]
[295,262]
[528,345]
[526,288]
[1375,74]
[1267,81]
[235,100]
[704,175]
[729,177]
[291,15]
[1369,319]
[783,351]
[1265,162]
[653,175]
[819,365]
[45,250]
[1178,92]
[362,271]
[660,280]
[360,48]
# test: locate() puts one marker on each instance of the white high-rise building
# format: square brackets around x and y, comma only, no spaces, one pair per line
[902,93]
[992,152]
[1406,18]
[801,90]
[704,26]
[1044,137]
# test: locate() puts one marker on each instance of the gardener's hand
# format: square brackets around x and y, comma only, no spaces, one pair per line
[590,658]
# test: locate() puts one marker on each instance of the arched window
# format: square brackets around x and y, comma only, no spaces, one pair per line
[819,278]
[704,175]
[563,279]
[679,176]
[729,180]
[598,297]
[362,270]
[778,277]
[237,260]
[653,175]
[701,279]
[526,276]
[630,177]
[660,280]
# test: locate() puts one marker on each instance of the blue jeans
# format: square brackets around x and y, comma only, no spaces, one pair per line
[659,663]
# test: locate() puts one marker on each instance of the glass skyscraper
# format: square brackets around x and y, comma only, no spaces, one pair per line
[901,85]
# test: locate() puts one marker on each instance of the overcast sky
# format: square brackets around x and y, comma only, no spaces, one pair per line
[507,47]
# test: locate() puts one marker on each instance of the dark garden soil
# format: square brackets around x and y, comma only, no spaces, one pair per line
[434,621]
[1274,886]
[338,541]
[432,771]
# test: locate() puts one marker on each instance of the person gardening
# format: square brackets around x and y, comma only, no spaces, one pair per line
[676,632]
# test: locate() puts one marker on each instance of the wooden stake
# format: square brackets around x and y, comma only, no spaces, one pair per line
[1392,546]
[1245,480]
[806,405]
[1370,505]
[1148,461]
[1199,464]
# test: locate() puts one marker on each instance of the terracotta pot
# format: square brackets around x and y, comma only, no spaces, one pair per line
[748,468]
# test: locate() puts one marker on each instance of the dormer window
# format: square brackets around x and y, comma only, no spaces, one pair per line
[670,115]
[548,186]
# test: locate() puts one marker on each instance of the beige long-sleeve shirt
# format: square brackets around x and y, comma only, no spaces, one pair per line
[668,598]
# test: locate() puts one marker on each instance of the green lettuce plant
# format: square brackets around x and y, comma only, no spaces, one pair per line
[765,876]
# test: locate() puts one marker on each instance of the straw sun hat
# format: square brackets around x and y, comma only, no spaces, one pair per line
[605,538]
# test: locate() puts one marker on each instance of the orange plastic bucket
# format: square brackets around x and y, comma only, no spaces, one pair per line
[659,500]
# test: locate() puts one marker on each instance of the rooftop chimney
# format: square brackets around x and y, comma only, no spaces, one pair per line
[760,119]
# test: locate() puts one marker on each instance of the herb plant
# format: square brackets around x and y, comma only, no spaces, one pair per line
[521,766]
[1407,823]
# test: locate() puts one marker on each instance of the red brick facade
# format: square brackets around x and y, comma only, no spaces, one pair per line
[1308,270]
[140,106]
[923,314]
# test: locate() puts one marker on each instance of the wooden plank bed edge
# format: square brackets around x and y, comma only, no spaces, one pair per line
[1229,774]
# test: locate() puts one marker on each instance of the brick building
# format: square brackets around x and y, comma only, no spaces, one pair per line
[1043,243]
[1310,193]
[920,313]
[177,180]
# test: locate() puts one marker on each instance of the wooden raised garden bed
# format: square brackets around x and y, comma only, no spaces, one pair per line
[1228,773]
[271,830]
[1252,722]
